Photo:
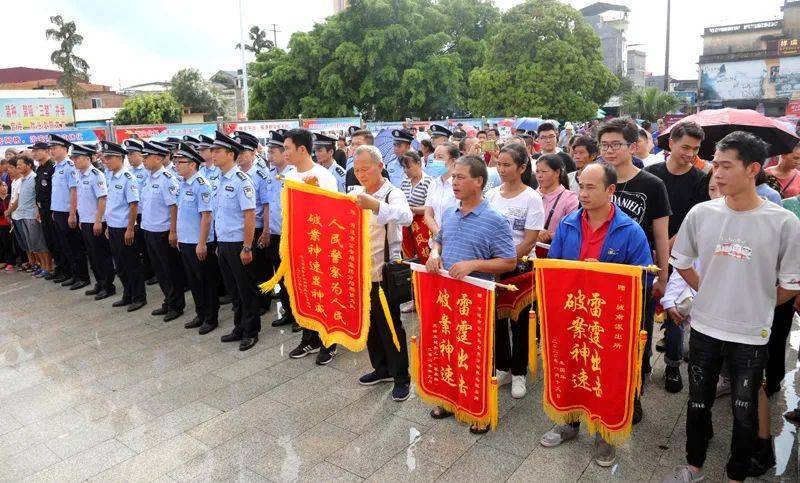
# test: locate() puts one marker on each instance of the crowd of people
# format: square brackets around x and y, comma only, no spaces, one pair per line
[205,214]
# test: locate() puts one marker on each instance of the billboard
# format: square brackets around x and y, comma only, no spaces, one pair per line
[23,139]
[36,114]
[777,78]
[161,131]
[331,123]
[260,129]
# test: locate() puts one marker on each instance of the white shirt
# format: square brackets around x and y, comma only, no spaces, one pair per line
[523,212]
[440,197]
[325,178]
[393,216]
[15,195]
[653,159]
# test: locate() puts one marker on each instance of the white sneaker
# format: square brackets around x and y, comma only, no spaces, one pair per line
[503,378]
[518,387]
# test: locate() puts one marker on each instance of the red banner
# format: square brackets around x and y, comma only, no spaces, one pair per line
[590,315]
[415,240]
[451,358]
[325,253]
[510,303]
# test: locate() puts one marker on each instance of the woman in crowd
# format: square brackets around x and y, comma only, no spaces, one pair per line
[440,191]
[787,174]
[523,208]
[559,201]
[584,152]
[415,187]
[426,151]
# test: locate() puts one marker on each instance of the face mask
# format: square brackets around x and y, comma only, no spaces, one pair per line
[435,168]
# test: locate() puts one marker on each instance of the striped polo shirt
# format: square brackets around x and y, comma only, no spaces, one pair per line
[482,234]
[416,194]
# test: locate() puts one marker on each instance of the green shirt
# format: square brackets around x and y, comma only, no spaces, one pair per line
[793,204]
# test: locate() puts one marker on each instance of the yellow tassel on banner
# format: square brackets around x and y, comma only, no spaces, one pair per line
[388,316]
[279,273]
[532,349]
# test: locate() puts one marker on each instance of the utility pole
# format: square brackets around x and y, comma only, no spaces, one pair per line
[666,55]
[274,34]
[245,92]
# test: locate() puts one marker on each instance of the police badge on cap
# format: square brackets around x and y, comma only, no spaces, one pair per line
[402,136]
[437,130]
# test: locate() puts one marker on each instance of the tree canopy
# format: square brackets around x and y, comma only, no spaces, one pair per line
[74,68]
[543,60]
[149,109]
[258,41]
[649,104]
[191,91]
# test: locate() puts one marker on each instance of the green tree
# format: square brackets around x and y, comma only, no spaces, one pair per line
[74,68]
[650,104]
[258,41]
[386,59]
[544,60]
[149,109]
[191,91]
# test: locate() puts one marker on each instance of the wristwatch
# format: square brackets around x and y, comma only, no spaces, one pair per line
[247,249]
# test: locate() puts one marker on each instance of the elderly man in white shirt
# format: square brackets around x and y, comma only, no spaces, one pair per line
[390,212]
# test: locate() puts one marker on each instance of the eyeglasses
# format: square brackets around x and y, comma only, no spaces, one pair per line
[615,146]
[549,138]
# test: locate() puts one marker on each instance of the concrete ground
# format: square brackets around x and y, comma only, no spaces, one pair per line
[88,392]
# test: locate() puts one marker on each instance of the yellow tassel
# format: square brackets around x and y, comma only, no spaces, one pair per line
[388,316]
[279,273]
[532,349]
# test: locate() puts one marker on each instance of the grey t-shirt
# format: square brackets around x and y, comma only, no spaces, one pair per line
[744,255]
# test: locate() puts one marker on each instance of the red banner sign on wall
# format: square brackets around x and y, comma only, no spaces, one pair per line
[590,316]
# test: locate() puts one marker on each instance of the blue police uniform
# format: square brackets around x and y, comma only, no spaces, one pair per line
[65,179]
[140,174]
[340,174]
[123,191]
[261,264]
[159,193]
[396,173]
[195,198]
[91,188]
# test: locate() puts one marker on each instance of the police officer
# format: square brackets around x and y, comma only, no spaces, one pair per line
[259,177]
[207,169]
[44,185]
[170,145]
[196,239]
[92,192]
[159,200]
[280,167]
[136,159]
[401,144]
[235,228]
[64,207]
[122,206]
[324,147]
[439,134]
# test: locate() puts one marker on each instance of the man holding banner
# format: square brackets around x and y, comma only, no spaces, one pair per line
[598,231]
[474,239]
[390,212]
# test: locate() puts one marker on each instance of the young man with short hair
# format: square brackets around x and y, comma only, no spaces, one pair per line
[750,259]
[547,135]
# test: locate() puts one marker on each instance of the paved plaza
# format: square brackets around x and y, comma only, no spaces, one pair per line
[88,392]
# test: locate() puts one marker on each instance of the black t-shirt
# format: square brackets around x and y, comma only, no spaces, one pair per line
[44,184]
[643,198]
[684,191]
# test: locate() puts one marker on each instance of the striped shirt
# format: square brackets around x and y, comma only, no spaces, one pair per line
[416,194]
[482,234]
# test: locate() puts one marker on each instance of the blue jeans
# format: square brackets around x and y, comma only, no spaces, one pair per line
[746,365]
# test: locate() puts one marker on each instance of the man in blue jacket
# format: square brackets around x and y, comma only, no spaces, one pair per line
[598,231]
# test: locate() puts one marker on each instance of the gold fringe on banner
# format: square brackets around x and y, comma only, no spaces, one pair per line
[388,315]
[532,343]
[514,312]
[279,273]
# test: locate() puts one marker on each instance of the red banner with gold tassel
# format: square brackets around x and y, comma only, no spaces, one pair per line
[452,358]
[511,302]
[325,263]
[415,240]
[591,341]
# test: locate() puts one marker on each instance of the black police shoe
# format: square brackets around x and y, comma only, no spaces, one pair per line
[193,324]
[247,343]
[121,303]
[67,282]
[207,327]
[159,311]
[60,278]
[79,284]
[93,291]
[172,315]
[104,294]
[283,320]
[231,337]
[136,306]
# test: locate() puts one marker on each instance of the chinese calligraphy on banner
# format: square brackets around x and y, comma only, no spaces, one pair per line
[590,316]
[325,262]
[452,357]
[415,240]
[36,114]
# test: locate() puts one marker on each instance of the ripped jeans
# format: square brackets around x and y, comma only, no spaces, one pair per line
[746,363]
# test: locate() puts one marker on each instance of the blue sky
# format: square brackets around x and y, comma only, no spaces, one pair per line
[138,41]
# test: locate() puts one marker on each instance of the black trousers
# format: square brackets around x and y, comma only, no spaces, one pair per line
[168,268]
[6,245]
[51,240]
[129,265]
[776,346]
[202,277]
[71,243]
[99,252]
[144,257]
[746,363]
[511,353]
[240,281]
[275,260]
[262,268]
[383,355]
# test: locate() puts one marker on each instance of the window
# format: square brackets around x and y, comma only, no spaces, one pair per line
[97,103]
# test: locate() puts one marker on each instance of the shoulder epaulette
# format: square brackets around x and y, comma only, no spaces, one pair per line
[167,174]
[201,180]
[127,174]
[241,175]
[95,171]
[261,173]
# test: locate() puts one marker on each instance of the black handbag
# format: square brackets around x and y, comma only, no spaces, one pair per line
[396,276]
